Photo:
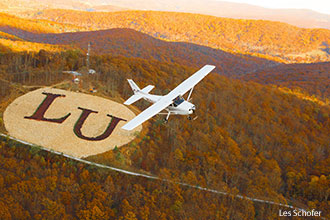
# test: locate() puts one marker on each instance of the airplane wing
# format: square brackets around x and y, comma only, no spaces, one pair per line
[166,100]
[186,85]
[148,113]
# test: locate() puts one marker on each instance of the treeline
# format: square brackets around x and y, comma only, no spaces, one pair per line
[275,40]
[42,68]
[8,45]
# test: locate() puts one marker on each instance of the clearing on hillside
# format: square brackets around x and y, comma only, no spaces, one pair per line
[76,124]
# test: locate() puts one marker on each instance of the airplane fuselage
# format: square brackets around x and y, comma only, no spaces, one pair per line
[184,108]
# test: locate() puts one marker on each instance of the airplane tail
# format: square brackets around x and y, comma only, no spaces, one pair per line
[138,93]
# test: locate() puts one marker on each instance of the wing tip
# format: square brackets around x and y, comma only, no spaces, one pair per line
[127,127]
[210,66]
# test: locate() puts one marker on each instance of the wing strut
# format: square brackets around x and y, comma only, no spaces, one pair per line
[168,115]
[192,88]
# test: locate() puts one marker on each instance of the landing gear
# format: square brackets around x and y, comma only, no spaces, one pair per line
[165,121]
[167,116]
[193,116]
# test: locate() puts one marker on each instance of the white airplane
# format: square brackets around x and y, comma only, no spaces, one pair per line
[173,102]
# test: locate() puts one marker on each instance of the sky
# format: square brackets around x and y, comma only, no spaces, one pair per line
[322,6]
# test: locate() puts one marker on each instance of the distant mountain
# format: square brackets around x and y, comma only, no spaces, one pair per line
[298,17]
[16,7]
[35,26]
[107,8]
[271,40]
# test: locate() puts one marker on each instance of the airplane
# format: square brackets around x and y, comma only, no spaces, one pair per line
[173,102]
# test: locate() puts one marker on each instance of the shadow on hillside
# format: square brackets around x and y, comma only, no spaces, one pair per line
[131,43]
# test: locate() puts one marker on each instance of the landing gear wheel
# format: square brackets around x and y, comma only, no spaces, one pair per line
[189,118]
[165,121]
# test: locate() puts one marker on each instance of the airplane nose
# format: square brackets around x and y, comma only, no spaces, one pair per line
[192,110]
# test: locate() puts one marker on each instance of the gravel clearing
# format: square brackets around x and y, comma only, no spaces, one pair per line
[61,136]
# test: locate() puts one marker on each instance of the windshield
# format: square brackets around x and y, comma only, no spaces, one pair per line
[177,101]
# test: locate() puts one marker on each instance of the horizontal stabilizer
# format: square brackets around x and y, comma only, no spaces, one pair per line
[133,99]
[147,89]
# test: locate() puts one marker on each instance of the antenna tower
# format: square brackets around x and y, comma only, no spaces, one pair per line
[88,52]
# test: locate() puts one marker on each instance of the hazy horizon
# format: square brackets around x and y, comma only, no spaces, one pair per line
[319,6]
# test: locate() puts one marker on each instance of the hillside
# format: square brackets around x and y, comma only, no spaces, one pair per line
[4,35]
[11,27]
[24,46]
[36,26]
[313,79]
[257,138]
[21,7]
[249,138]
[66,189]
[274,40]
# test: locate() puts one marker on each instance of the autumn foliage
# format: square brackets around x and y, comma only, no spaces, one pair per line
[256,136]
[249,139]
[32,25]
[273,40]
[311,79]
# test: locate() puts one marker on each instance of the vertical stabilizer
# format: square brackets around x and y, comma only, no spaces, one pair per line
[138,93]
[134,87]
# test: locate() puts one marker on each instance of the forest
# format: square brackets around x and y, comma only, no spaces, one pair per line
[250,139]
[262,130]
[39,185]
[37,26]
[311,79]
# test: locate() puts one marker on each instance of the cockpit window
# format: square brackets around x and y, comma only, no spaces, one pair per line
[178,100]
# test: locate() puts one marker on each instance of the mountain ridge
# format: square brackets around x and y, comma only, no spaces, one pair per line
[272,40]
[299,17]
[131,43]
